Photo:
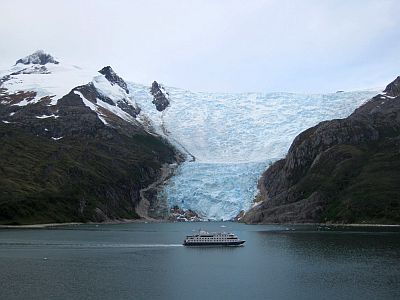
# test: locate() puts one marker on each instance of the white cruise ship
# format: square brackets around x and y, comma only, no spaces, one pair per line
[204,238]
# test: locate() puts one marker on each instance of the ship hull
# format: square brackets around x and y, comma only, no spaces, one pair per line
[235,243]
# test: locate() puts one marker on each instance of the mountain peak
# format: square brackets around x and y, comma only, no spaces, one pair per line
[113,78]
[108,72]
[393,88]
[38,57]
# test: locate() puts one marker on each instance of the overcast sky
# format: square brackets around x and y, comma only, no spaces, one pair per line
[215,45]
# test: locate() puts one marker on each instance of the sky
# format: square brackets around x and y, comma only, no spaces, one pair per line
[307,46]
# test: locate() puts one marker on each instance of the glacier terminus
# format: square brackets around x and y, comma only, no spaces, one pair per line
[231,138]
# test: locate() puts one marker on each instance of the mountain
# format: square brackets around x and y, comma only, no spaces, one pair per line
[87,145]
[341,171]
[73,147]
[230,138]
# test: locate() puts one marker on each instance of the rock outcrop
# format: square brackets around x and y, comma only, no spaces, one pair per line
[344,171]
[92,94]
[113,78]
[38,57]
[160,96]
[177,214]
[393,88]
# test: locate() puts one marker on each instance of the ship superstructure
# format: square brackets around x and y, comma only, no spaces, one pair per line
[204,238]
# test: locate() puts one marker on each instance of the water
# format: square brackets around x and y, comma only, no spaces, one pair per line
[147,261]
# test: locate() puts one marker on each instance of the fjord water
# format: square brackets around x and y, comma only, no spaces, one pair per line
[147,261]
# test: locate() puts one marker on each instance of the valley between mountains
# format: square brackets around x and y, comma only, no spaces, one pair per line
[89,146]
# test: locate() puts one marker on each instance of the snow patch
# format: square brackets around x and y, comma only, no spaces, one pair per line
[47,116]
[92,106]
[115,110]
[116,94]
[60,80]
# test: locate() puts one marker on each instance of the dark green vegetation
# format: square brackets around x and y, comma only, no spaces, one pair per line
[340,171]
[367,186]
[360,183]
[75,179]
[73,167]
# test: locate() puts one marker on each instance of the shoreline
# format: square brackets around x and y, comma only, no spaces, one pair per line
[144,221]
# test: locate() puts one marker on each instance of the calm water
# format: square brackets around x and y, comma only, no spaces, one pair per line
[147,261]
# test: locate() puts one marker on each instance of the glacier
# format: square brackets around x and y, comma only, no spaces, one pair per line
[233,138]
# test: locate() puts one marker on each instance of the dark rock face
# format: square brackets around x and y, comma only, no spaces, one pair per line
[112,77]
[160,98]
[39,57]
[344,171]
[393,88]
[91,93]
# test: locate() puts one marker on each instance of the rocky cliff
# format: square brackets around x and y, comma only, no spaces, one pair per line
[78,157]
[343,171]
[160,96]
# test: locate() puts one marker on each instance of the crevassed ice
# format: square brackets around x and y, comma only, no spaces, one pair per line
[215,191]
[233,137]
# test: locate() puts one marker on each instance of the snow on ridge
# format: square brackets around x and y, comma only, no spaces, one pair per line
[91,105]
[116,93]
[57,82]
[106,88]
[38,57]
[111,108]
[164,91]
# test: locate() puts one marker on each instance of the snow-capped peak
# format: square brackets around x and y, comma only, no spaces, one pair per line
[39,57]
[53,80]
[39,77]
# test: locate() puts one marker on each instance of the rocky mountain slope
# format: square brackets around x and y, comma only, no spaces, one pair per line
[73,147]
[342,171]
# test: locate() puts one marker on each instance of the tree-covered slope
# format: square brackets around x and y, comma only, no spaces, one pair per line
[77,179]
[75,153]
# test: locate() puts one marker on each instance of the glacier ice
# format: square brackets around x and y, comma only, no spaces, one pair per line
[214,190]
[233,138]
